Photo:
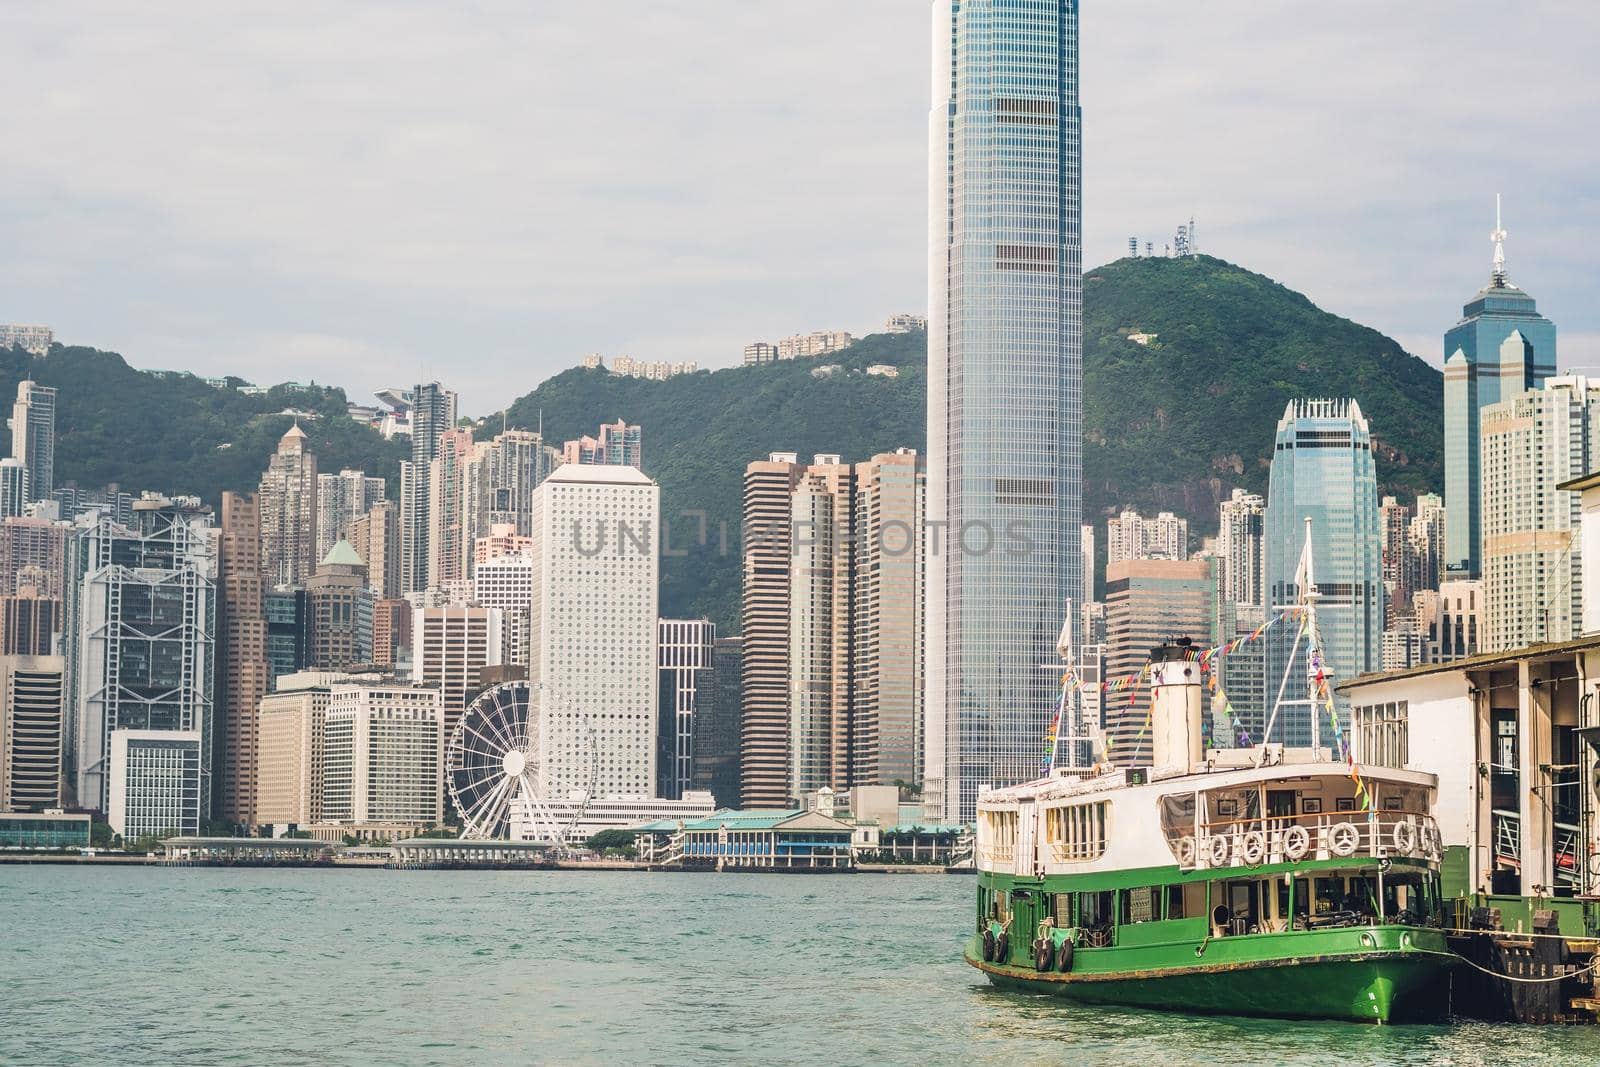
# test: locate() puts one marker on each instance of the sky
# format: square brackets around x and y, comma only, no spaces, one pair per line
[365,194]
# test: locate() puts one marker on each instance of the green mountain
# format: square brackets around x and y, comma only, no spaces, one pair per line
[1173,423]
[176,433]
[1178,422]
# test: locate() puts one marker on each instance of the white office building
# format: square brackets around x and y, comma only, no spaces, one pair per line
[1240,549]
[153,783]
[506,582]
[382,755]
[593,627]
[1532,566]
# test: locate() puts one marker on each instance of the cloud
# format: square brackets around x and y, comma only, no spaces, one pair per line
[501,188]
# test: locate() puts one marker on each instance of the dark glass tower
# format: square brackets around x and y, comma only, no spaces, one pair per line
[1501,347]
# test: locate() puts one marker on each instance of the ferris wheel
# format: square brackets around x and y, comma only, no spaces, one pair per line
[495,767]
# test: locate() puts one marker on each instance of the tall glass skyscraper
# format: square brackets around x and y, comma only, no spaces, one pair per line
[1005,397]
[1323,470]
[1501,347]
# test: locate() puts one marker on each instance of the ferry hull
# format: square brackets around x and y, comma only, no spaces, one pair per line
[1374,987]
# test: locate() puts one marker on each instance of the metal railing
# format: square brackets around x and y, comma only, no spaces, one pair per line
[1291,838]
[1507,834]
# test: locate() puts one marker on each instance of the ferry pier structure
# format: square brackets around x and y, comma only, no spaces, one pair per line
[1514,740]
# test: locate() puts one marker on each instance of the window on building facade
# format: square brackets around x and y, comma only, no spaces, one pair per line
[1384,730]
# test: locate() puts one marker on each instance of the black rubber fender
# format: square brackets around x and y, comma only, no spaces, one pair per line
[1043,954]
[1064,957]
[988,946]
[1002,947]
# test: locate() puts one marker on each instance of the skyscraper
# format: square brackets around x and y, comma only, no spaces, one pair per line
[1532,561]
[1427,542]
[453,646]
[716,733]
[288,505]
[764,720]
[433,412]
[382,755]
[1132,536]
[14,495]
[833,623]
[32,734]
[339,605]
[1322,470]
[376,538]
[1005,399]
[686,690]
[450,532]
[506,582]
[242,671]
[33,552]
[1399,574]
[508,470]
[593,627]
[341,499]
[1148,602]
[1239,548]
[288,632]
[886,716]
[141,627]
[1501,347]
[617,444]
[28,623]
[33,436]
[819,627]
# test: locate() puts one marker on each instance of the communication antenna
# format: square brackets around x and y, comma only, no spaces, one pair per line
[1499,239]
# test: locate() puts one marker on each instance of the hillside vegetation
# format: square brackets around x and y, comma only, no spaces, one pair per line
[1172,424]
[177,434]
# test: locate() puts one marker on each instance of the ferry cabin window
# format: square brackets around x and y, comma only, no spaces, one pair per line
[1141,905]
[1095,909]
[1384,730]
[1076,832]
[1186,900]
[1329,895]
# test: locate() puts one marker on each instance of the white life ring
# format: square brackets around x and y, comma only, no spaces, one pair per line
[1343,838]
[1296,841]
[1252,848]
[1186,851]
[1219,851]
[1405,838]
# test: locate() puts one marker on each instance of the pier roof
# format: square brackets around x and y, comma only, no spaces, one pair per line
[1478,662]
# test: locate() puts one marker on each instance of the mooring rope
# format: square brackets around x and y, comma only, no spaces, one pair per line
[1532,981]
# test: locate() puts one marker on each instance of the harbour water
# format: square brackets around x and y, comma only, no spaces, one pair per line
[245,966]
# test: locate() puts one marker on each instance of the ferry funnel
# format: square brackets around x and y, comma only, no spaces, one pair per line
[1175,710]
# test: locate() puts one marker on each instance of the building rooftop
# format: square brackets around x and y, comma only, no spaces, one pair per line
[756,819]
[343,553]
[604,473]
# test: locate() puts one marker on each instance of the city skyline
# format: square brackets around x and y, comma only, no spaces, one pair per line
[1352,219]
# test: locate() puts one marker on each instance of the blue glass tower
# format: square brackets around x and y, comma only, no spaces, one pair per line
[1004,489]
[1501,347]
[1323,470]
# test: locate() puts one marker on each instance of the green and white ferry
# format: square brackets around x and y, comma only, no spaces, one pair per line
[1260,881]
